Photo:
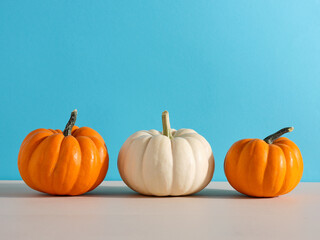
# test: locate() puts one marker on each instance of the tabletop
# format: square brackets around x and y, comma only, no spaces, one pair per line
[113,211]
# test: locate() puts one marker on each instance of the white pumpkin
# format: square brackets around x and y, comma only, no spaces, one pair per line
[171,163]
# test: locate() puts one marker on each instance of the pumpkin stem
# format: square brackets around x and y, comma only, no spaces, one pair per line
[166,125]
[276,135]
[70,124]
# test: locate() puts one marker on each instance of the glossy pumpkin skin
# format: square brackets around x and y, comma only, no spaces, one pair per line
[256,168]
[52,163]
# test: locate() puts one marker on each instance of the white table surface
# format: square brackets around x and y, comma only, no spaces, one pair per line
[113,211]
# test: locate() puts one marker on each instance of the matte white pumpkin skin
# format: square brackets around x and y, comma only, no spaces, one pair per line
[153,164]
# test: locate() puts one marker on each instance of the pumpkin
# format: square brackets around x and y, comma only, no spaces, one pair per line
[264,168]
[168,163]
[71,162]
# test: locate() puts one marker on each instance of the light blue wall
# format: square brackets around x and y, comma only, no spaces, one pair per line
[228,69]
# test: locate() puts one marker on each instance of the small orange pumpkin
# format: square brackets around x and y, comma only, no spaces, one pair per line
[71,162]
[264,168]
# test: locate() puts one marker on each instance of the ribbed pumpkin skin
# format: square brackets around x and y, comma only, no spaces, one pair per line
[153,164]
[258,169]
[51,163]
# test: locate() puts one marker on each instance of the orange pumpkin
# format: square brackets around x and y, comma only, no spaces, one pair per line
[71,162]
[264,168]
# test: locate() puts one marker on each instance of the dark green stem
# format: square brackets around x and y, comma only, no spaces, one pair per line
[270,139]
[70,124]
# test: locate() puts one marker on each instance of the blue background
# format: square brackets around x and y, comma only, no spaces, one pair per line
[228,69]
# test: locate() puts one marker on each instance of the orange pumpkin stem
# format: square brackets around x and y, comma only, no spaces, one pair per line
[70,124]
[166,124]
[270,139]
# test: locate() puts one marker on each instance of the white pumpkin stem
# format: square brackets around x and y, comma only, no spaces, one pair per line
[166,124]
[278,134]
[70,124]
